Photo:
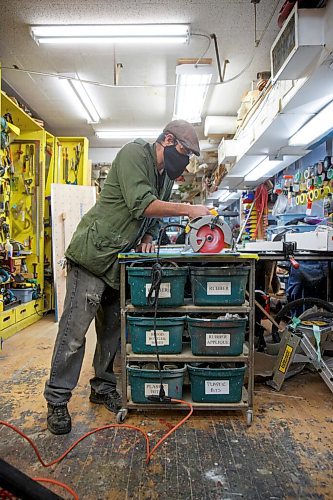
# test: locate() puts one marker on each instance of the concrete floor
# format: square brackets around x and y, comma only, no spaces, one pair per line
[286,454]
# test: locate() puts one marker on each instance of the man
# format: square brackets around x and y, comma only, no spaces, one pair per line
[136,191]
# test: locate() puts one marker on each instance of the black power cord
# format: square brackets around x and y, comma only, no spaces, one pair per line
[153,295]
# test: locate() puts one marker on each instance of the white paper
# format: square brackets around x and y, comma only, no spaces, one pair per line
[219,288]
[154,389]
[216,386]
[217,339]
[165,290]
[161,335]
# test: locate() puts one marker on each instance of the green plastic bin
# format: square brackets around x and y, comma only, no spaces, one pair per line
[217,337]
[216,385]
[146,383]
[169,332]
[215,286]
[172,286]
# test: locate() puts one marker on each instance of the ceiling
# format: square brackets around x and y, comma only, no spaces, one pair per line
[153,67]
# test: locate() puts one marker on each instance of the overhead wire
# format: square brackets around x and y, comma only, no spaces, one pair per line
[208,46]
[160,85]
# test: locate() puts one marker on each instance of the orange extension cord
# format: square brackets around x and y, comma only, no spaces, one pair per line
[149,452]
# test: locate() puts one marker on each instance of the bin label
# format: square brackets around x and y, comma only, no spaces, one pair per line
[161,335]
[217,339]
[219,288]
[165,290]
[154,389]
[216,386]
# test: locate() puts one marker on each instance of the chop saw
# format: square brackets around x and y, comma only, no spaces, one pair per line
[208,234]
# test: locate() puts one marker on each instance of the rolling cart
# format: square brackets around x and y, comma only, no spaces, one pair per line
[246,356]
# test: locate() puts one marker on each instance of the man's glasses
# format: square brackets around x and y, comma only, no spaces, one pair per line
[184,150]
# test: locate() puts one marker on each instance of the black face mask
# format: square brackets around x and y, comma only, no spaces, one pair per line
[174,162]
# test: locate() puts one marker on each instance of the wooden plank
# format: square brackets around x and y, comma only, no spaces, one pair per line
[68,205]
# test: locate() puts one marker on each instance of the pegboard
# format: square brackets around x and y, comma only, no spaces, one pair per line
[68,205]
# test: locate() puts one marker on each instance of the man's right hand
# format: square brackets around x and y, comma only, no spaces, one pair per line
[198,211]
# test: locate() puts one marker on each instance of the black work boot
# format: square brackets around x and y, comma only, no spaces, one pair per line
[111,399]
[58,419]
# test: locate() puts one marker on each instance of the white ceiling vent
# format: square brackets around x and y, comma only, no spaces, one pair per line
[298,44]
[227,151]
[220,125]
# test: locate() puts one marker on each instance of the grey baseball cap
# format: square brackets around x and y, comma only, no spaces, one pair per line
[185,133]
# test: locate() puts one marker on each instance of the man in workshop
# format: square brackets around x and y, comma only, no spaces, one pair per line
[135,193]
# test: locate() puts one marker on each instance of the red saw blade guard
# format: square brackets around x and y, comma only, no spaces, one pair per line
[214,239]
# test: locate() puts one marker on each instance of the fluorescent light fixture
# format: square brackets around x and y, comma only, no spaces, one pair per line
[191,90]
[128,134]
[314,129]
[83,96]
[111,33]
[230,195]
[262,170]
[224,196]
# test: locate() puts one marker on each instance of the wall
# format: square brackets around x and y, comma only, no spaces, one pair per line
[102,155]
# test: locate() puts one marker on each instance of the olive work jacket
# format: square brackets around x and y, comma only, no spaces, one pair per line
[116,222]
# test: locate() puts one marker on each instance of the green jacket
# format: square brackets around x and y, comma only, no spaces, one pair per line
[116,222]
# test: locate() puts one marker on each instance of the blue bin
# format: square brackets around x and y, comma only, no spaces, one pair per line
[217,337]
[216,385]
[145,383]
[169,332]
[215,286]
[171,289]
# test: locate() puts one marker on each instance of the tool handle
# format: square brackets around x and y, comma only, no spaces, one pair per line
[294,262]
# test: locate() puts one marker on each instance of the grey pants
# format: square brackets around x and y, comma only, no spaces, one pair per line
[87,297]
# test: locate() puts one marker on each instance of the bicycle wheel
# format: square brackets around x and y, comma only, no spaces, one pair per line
[287,312]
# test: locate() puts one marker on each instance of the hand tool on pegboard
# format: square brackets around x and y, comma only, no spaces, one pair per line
[48,158]
[32,159]
[65,164]
[75,164]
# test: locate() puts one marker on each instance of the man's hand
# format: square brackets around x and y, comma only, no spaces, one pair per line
[146,245]
[197,211]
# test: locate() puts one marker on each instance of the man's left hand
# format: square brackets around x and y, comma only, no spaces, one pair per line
[146,245]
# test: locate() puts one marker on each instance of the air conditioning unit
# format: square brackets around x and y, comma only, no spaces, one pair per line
[299,43]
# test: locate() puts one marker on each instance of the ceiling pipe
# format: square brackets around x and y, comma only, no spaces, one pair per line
[213,37]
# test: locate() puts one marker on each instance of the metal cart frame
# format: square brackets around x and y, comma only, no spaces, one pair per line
[246,357]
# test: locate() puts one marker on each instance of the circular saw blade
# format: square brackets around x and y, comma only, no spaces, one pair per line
[213,239]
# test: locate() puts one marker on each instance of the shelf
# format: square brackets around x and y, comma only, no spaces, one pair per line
[191,308]
[243,404]
[186,356]
[24,122]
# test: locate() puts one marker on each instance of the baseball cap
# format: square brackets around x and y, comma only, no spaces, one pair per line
[185,133]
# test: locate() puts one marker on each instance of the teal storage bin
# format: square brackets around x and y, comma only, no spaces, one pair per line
[216,385]
[169,332]
[217,337]
[172,286]
[217,286]
[146,383]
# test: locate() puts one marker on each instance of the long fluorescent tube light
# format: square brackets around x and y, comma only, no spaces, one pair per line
[111,33]
[192,85]
[262,170]
[128,134]
[230,195]
[81,93]
[314,129]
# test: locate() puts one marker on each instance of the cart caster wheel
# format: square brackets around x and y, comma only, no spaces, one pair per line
[249,417]
[121,415]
